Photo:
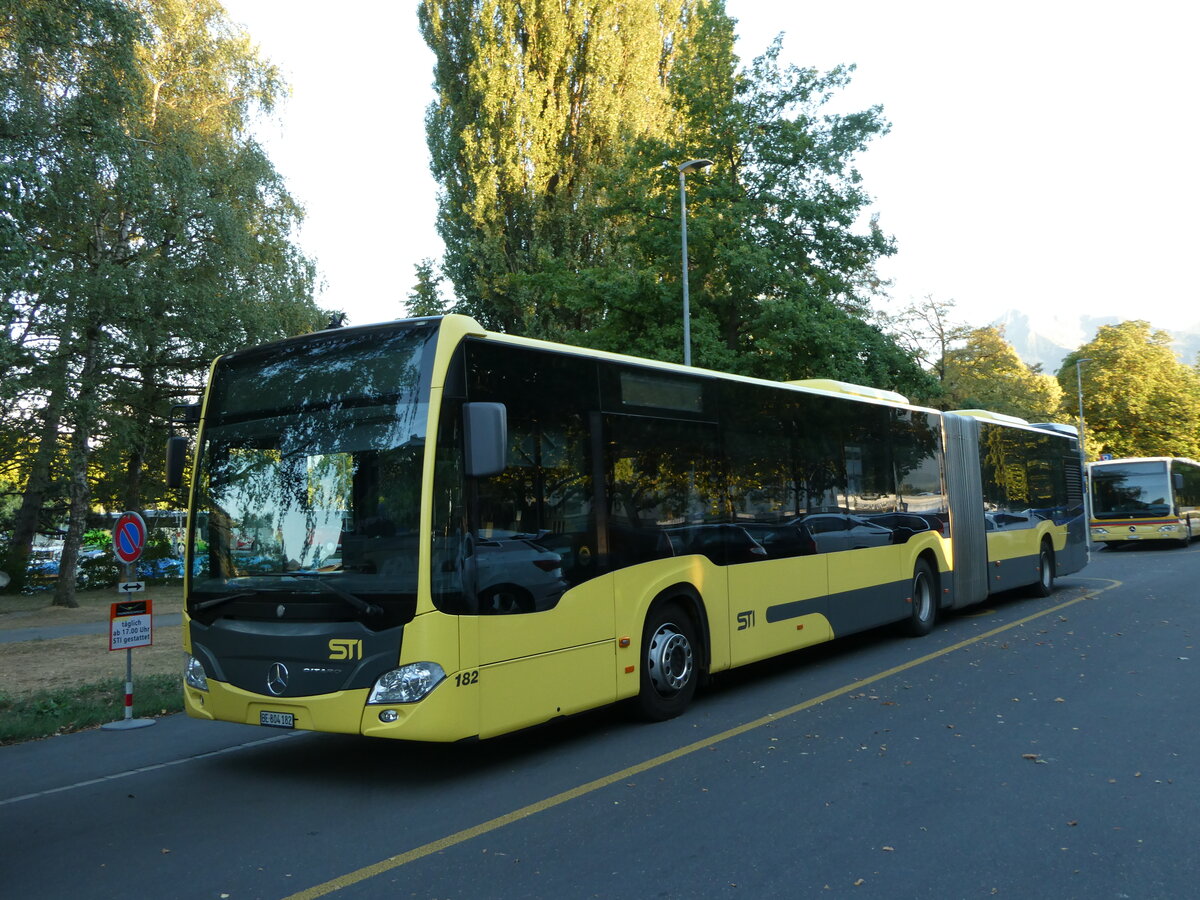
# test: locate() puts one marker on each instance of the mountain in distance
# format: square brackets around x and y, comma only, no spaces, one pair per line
[1047,339]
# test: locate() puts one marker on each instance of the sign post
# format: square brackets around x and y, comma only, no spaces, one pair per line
[130,622]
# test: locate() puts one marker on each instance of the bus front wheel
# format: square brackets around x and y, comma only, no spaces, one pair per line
[670,656]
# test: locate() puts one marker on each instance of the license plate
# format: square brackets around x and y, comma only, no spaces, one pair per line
[277,719]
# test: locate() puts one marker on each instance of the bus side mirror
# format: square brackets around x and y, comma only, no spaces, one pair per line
[177,447]
[1177,480]
[485,435]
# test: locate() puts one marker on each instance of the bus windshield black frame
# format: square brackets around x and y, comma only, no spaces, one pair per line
[309,477]
[1132,490]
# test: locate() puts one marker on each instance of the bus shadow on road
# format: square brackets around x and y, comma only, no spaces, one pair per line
[1142,547]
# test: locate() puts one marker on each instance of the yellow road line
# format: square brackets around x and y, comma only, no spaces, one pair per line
[459,837]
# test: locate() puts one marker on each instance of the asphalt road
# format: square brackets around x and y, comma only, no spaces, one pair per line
[1033,748]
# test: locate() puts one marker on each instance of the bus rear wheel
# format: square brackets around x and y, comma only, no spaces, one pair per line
[923,599]
[670,655]
[1044,586]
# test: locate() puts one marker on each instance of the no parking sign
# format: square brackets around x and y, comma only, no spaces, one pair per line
[129,537]
[131,622]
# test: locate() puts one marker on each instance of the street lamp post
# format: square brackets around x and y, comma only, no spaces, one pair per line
[1079,387]
[694,165]
[1087,486]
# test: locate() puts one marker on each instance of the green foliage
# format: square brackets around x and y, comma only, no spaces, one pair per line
[1138,398]
[143,232]
[65,710]
[562,220]
[424,299]
[535,102]
[987,374]
[159,544]
[100,571]
[97,537]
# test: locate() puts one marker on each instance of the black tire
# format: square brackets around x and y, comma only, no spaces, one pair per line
[923,599]
[670,663]
[1044,586]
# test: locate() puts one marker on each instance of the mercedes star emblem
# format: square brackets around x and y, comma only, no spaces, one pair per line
[277,678]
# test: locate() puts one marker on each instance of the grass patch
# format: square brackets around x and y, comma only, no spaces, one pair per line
[64,710]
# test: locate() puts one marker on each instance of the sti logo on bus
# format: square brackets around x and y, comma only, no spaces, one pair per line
[345,648]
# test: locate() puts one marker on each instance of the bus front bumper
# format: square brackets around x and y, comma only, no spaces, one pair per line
[1171,531]
[445,714]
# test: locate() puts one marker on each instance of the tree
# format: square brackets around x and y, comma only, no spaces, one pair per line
[928,330]
[534,100]
[216,267]
[987,374]
[148,233]
[780,276]
[66,75]
[1138,398]
[424,298]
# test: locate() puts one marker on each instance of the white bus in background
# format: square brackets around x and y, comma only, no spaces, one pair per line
[1145,499]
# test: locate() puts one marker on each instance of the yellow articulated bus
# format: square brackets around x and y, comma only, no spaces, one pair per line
[423,530]
[1154,498]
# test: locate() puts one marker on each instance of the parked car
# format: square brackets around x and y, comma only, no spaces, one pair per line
[833,532]
[1002,521]
[723,543]
[905,525]
[513,574]
[783,540]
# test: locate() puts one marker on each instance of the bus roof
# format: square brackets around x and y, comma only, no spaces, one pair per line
[990,416]
[457,327]
[466,326]
[1137,459]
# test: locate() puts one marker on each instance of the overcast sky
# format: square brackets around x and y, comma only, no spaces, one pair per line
[1042,156]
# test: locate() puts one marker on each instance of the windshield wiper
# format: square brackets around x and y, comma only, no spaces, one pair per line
[363,606]
[220,601]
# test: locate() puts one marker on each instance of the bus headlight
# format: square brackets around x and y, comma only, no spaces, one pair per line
[407,684]
[1099,531]
[1166,527]
[193,674]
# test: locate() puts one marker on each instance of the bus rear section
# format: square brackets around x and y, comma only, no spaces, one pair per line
[1024,484]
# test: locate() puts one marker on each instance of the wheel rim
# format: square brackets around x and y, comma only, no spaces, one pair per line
[1047,571]
[669,659]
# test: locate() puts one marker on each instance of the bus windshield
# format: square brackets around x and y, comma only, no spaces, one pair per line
[310,471]
[1131,490]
